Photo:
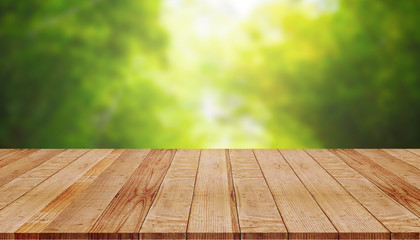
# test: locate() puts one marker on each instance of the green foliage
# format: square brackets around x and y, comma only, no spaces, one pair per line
[192,74]
[64,64]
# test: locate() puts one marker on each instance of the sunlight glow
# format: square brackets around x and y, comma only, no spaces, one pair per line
[206,38]
[209,107]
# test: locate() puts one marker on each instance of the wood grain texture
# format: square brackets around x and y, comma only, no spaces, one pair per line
[301,214]
[15,155]
[350,218]
[405,155]
[77,219]
[403,192]
[213,211]
[127,211]
[4,151]
[402,223]
[21,210]
[8,152]
[415,151]
[22,165]
[400,168]
[257,211]
[22,184]
[209,194]
[39,221]
[168,215]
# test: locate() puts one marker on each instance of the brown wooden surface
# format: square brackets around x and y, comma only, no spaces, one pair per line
[213,208]
[257,211]
[209,194]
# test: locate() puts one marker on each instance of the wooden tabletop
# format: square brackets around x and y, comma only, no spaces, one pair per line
[209,194]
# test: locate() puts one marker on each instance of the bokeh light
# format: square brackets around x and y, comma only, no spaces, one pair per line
[209,73]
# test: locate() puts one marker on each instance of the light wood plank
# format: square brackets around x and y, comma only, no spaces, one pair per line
[405,193]
[19,167]
[400,168]
[4,151]
[402,223]
[35,225]
[238,198]
[14,156]
[258,214]
[415,151]
[168,215]
[75,221]
[349,217]
[405,155]
[22,184]
[213,211]
[126,213]
[7,152]
[301,214]
[21,210]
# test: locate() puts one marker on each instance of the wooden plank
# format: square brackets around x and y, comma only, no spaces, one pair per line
[415,151]
[213,211]
[22,184]
[402,223]
[349,217]
[126,213]
[168,215]
[75,221]
[8,152]
[14,215]
[14,156]
[19,167]
[400,168]
[405,156]
[301,214]
[403,192]
[39,221]
[258,214]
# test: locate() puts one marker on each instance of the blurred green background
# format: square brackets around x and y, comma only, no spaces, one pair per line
[209,73]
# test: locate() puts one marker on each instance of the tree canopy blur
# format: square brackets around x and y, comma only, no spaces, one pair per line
[211,73]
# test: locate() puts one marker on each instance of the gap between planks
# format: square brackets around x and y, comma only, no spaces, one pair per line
[210,194]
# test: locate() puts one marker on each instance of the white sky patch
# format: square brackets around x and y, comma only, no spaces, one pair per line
[251,126]
[198,30]
[239,9]
[210,108]
[202,26]
[216,18]
[321,6]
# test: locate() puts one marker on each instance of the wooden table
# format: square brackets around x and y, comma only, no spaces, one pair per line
[209,194]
